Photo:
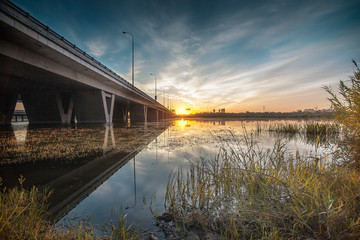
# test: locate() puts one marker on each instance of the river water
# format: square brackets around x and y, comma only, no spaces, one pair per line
[100,171]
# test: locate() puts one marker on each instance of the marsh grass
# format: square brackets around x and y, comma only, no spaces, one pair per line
[322,129]
[251,193]
[68,145]
[24,215]
[346,106]
[323,133]
[291,128]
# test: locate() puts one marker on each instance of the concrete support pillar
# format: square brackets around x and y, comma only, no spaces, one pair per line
[94,106]
[145,113]
[108,107]
[41,105]
[63,100]
[8,98]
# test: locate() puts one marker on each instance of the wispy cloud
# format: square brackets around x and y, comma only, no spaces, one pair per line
[240,56]
[97,47]
[242,62]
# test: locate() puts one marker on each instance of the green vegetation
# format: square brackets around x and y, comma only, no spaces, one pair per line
[263,115]
[23,215]
[347,109]
[250,193]
[68,145]
[285,128]
[347,112]
[323,133]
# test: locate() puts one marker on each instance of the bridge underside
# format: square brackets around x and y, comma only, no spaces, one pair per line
[51,104]
[55,88]
[50,98]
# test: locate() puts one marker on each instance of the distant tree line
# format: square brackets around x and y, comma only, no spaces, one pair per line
[256,115]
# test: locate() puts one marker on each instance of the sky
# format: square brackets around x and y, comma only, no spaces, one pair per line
[211,54]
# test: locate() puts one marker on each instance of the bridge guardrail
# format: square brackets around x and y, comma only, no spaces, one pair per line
[71,47]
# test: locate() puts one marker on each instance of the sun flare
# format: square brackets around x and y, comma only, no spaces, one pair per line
[182,111]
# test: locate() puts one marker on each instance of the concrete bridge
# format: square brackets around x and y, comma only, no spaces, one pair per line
[59,82]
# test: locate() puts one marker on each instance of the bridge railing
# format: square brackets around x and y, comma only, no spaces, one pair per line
[50,34]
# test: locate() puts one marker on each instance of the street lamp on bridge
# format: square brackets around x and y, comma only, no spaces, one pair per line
[132,47]
[155,85]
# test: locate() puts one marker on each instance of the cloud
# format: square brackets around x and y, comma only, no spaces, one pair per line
[243,58]
[97,47]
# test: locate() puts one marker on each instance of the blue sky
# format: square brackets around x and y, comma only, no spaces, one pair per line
[238,55]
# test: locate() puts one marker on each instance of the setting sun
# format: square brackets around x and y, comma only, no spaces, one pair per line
[182,111]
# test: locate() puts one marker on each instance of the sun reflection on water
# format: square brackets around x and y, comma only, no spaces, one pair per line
[182,123]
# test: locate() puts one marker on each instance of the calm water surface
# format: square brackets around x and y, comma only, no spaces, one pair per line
[99,171]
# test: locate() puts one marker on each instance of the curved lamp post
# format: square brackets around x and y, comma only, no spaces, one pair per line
[132,47]
[155,86]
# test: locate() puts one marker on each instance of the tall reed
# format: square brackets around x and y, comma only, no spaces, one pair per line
[24,215]
[346,106]
[249,192]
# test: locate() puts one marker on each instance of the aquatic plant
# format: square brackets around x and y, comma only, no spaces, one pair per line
[24,215]
[67,145]
[291,128]
[253,193]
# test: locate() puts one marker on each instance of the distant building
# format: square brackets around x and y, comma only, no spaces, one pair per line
[223,110]
[310,110]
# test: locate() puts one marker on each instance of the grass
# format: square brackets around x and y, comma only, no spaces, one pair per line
[285,128]
[309,128]
[324,133]
[252,193]
[68,145]
[23,215]
[346,106]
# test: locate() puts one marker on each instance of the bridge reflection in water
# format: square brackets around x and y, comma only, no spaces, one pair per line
[75,180]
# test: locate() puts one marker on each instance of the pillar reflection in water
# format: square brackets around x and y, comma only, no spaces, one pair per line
[134,187]
[106,148]
[145,127]
[156,152]
[20,132]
